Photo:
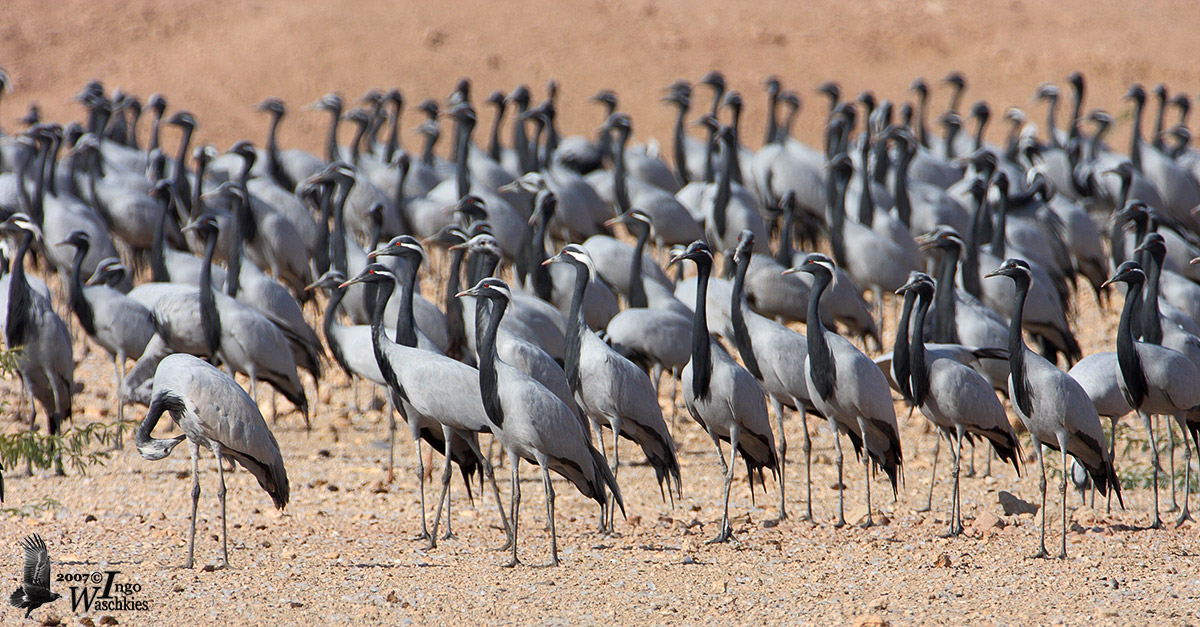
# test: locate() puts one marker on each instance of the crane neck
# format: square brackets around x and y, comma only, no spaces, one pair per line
[820,356]
[331,147]
[918,381]
[741,333]
[148,446]
[79,304]
[772,131]
[945,327]
[487,324]
[701,343]
[1134,376]
[637,282]
[902,361]
[784,255]
[681,170]
[1135,136]
[578,326]
[494,139]
[158,262]
[406,328]
[970,262]
[210,318]
[999,230]
[1017,349]
[393,138]
[17,329]
[866,203]
[1151,320]
[620,184]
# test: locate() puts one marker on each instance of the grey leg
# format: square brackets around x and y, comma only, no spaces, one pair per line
[489,474]
[937,447]
[421,482]
[726,529]
[1187,470]
[443,497]
[391,421]
[841,513]
[862,425]
[806,446]
[1041,552]
[224,521]
[1112,455]
[1170,461]
[550,515]
[1062,553]
[516,507]
[1156,522]
[195,449]
[778,407]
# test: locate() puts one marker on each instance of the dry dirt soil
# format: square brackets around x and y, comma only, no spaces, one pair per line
[344,550]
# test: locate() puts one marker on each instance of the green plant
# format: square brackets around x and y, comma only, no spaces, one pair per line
[78,446]
[32,509]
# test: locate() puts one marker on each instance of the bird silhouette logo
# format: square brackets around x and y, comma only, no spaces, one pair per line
[34,590]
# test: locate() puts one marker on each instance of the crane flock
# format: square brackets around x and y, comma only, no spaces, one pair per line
[552,323]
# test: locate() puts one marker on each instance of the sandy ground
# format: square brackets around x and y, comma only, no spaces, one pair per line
[344,550]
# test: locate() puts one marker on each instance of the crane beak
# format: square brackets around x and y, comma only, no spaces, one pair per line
[792,270]
[1195,260]
[555,259]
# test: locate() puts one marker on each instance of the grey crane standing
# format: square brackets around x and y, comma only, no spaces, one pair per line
[531,422]
[1054,408]
[768,349]
[214,412]
[722,396]
[420,379]
[45,362]
[850,391]
[955,398]
[121,325]
[610,387]
[1154,379]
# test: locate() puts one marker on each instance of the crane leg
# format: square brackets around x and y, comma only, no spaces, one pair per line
[675,382]
[421,482]
[1062,553]
[987,463]
[955,501]
[1184,515]
[862,425]
[937,447]
[806,447]
[489,473]
[357,406]
[971,463]
[838,458]
[516,507]
[391,421]
[1041,552]
[1170,461]
[550,515]
[1112,455]
[119,373]
[217,450]
[726,529]
[195,449]
[442,498]
[1156,522]
[778,407]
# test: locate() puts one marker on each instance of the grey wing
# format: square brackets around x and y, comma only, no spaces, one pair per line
[37,562]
